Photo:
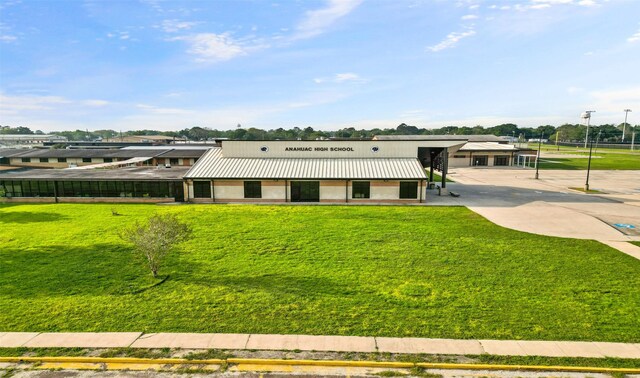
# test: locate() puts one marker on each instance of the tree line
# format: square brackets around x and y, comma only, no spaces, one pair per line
[565,133]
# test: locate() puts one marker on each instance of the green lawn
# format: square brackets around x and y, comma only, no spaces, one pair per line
[346,270]
[602,159]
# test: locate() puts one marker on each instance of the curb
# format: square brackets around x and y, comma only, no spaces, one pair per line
[320,363]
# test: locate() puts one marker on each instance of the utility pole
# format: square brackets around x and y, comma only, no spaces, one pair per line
[587,115]
[538,156]
[624,126]
[633,139]
[557,147]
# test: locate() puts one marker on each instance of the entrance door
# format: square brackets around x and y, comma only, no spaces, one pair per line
[305,191]
[480,160]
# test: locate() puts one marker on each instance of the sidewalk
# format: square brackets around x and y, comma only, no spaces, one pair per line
[319,343]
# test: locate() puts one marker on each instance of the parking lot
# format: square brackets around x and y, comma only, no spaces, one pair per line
[513,198]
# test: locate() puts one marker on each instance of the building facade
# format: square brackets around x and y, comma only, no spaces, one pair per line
[314,171]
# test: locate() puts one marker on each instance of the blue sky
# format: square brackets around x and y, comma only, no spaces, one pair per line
[326,64]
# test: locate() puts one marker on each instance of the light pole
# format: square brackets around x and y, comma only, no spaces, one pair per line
[538,156]
[586,184]
[587,115]
[624,126]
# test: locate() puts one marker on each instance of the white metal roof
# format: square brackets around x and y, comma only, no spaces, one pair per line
[212,165]
[114,164]
[487,146]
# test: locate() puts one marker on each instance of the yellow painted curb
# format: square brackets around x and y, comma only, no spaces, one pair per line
[587,369]
[119,360]
[319,363]
[327,363]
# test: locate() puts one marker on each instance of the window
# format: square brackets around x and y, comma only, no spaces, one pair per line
[86,160]
[108,160]
[26,160]
[459,156]
[62,160]
[409,190]
[252,189]
[501,160]
[44,160]
[4,160]
[174,161]
[361,189]
[201,189]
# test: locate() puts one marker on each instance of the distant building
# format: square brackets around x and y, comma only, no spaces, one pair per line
[65,158]
[477,150]
[154,139]
[29,139]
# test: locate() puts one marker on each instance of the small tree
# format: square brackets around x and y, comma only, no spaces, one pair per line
[155,239]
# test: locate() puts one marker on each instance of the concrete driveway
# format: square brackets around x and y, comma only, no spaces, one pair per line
[512,198]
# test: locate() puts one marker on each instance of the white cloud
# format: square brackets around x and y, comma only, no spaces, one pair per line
[347,77]
[17,104]
[340,78]
[317,21]
[542,4]
[174,26]
[614,100]
[635,37]
[474,6]
[469,17]
[160,110]
[96,103]
[574,90]
[451,40]
[7,38]
[210,47]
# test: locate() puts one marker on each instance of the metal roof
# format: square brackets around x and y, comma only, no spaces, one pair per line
[102,153]
[214,166]
[470,138]
[487,146]
[127,174]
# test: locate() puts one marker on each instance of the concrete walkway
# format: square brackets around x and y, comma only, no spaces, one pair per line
[319,343]
[512,198]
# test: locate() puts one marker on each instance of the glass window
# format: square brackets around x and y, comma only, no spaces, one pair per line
[26,160]
[44,160]
[252,189]
[86,160]
[62,160]
[409,190]
[361,189]
[174,161]
[108,160]
[201,189]
[127,189]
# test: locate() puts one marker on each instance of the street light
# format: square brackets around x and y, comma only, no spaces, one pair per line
[586,184]
[587,115]
[624,126]
[538,156]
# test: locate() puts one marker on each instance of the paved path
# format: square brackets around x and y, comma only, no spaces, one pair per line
[512,198]
[320,343]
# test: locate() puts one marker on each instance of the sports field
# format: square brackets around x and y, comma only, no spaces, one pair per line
[345,270]
[602,159]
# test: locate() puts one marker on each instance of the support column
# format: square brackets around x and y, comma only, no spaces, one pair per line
[346,191]
[445,167]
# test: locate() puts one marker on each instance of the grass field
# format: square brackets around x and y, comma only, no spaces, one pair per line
[346,270]
[602,159]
